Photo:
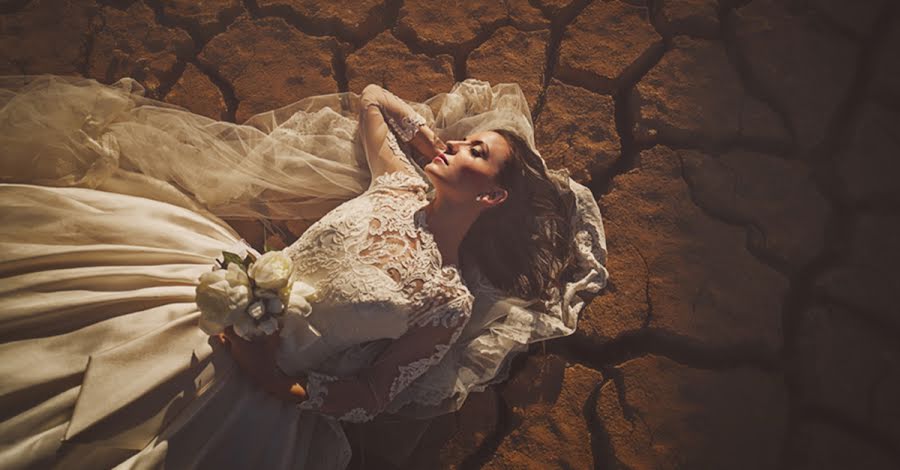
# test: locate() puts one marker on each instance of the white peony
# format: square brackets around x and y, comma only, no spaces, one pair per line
[272,270]
[297,303]
[222,296]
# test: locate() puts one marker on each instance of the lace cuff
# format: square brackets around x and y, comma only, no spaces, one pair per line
[361,397]
[316,390]
[407,127]
[448,315]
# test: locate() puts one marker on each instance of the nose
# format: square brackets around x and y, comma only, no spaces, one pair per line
[453,146]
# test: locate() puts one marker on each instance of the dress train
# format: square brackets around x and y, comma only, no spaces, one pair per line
[101,351]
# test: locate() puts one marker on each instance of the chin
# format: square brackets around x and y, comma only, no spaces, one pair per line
[436,181]
[431,172]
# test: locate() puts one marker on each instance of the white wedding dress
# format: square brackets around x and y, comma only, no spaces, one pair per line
[102,243]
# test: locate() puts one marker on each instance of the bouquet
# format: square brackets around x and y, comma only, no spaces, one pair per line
[251,294]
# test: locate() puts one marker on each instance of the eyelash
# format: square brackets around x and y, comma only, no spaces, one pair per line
[476,152]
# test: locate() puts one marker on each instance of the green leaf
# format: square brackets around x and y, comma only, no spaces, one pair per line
[248,260]
[232,258]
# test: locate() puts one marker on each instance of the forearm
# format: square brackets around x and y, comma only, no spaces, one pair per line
[257,361]
[405,121]
[391,106]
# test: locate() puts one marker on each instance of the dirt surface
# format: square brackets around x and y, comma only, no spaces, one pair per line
[745,155]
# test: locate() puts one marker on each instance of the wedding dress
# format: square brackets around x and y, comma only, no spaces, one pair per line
[110,206]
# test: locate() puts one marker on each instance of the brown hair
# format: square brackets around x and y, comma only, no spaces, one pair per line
[523,246]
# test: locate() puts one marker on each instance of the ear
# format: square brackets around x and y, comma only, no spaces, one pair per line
[492,198]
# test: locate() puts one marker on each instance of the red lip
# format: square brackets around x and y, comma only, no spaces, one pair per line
[443,158]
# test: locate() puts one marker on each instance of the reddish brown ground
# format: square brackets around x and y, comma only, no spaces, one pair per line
[745,157]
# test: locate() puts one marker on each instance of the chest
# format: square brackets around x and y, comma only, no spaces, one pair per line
[373,250]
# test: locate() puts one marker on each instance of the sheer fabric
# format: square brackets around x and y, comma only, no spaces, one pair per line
[66,131]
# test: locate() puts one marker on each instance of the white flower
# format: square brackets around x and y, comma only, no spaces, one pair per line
[221,296]
[272,270]
[298,304]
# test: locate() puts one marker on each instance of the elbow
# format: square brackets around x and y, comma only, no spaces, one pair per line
[370,94]
[371,89]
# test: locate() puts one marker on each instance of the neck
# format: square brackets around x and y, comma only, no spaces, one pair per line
[449,223]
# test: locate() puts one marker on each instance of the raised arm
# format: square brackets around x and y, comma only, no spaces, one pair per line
[380,109]
[360,398]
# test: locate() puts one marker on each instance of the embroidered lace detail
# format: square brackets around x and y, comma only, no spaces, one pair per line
[395,147]
[401,179]
[447,315]
[407,127]
[460,308]
[376,248]
[357,415]
[316,390]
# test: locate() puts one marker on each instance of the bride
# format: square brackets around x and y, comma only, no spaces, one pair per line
[427,278]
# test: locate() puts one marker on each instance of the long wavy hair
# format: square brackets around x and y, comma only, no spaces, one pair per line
[524,245]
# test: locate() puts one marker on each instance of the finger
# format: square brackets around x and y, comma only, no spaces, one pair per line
[298,391]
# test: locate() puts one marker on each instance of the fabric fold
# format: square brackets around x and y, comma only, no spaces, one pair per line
[132,391]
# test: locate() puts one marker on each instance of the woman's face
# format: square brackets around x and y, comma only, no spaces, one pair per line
[470,169]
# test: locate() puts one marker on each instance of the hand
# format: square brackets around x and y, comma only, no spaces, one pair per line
[427,145]
[257,360]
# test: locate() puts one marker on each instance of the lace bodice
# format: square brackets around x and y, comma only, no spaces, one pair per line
[377,248]
[378,274]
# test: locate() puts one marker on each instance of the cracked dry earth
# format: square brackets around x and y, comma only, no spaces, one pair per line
[744,155]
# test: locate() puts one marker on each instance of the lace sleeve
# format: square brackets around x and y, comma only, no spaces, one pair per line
[382,112]
[399,115]
[360,398]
